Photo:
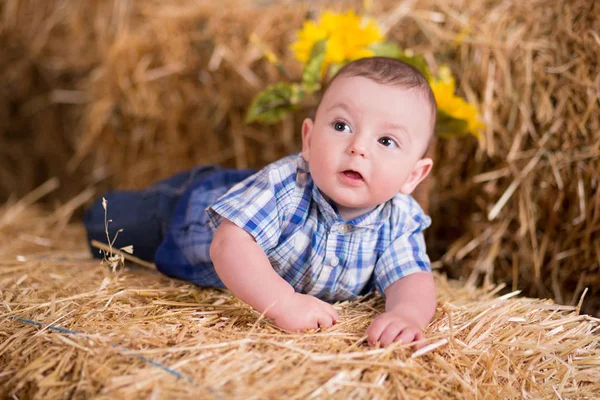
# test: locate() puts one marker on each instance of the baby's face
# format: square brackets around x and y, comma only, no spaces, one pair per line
[366,142]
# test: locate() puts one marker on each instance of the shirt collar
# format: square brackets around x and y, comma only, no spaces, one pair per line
[371,220]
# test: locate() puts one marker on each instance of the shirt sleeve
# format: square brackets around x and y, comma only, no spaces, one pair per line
[252,205]
[405,255]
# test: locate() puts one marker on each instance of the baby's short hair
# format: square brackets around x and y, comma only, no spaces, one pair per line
[393,72]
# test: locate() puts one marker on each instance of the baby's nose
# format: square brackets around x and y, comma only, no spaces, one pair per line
[358,148]
[358,151]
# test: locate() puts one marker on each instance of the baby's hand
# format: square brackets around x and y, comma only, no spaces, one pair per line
[390,327]
[298,312]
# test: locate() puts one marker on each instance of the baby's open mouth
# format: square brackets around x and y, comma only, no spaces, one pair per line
[353,174]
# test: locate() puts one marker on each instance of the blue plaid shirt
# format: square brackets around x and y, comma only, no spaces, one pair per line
[301,232]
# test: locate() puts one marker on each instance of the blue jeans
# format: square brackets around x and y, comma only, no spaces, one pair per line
[142,215]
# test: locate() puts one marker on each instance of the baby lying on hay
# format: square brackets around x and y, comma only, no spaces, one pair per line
[330,223]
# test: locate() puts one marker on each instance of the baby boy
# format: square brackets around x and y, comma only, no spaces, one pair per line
[328,224]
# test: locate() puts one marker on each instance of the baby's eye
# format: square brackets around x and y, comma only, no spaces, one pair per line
[341,126]
[387,142]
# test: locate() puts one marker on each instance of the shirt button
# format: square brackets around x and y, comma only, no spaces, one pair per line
[335,261]
[344,228]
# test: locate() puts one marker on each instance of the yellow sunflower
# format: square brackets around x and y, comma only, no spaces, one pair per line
[443,87]
[348,37]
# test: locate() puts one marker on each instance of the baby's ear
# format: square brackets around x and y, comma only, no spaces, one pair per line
[419,172]
[307,127]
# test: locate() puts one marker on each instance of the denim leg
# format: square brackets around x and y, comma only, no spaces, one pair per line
[142,215]
[132,211]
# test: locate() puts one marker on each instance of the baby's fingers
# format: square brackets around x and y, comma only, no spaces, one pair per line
[324,320]
[392,333]
[409,335]
[375,330]
[332,313]
[328,309]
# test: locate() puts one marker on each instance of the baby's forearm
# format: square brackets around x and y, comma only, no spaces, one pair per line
[412,297]
[245,269]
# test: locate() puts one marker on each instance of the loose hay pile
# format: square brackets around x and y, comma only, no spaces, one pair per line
[107,93]
[111,93]
[70,327]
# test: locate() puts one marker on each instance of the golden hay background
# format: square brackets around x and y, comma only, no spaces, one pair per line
[103,94]
[119,93]
[72,328]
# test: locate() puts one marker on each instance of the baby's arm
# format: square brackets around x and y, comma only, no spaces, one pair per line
[245,269]
[409,307]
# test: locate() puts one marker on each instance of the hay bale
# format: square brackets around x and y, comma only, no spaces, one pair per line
[120,94]
[525,204]
[71,327]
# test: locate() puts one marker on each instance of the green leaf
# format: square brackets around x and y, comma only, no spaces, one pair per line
[311,75]
[392,50]
[448,126]
[334,69]
[386,49]
[273,103]
[417,61]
